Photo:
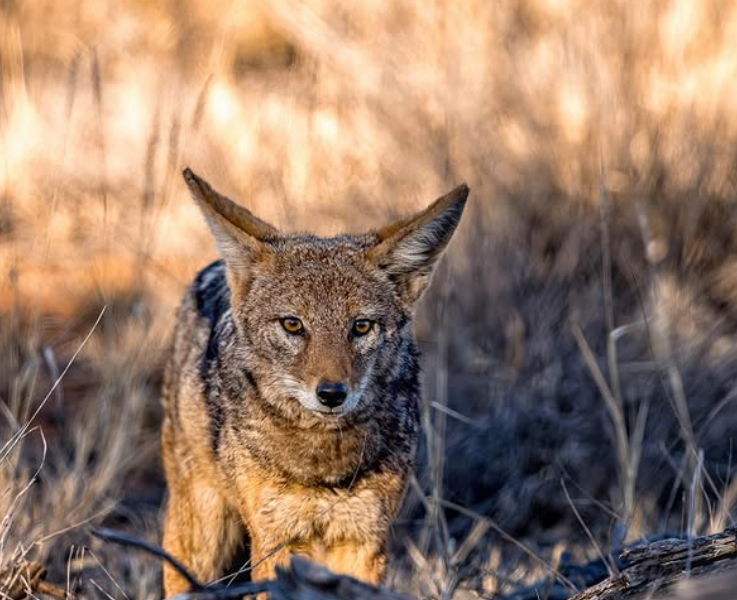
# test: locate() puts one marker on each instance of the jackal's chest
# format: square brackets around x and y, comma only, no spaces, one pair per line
[303,515]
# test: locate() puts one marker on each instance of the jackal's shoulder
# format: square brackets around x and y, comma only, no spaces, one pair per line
[193,376]
[203,323]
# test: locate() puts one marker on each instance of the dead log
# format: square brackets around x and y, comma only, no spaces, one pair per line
[651,570]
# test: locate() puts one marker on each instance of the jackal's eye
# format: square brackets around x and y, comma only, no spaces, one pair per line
[361,327]
[292,325]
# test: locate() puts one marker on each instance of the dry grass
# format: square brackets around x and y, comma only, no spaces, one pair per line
[598,140]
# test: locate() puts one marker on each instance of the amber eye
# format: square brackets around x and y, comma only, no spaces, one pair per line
[361,327]
[292,325]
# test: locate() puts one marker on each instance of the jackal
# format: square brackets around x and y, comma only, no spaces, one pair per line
[292,393]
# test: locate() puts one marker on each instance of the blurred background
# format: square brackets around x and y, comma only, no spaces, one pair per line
[579,337]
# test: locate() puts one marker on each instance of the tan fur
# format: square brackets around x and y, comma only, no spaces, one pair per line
[252,452]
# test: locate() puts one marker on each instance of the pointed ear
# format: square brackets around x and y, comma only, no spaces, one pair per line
[239,235]
[409,249]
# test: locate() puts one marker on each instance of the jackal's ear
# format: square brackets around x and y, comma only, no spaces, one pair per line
[409,249]
[240,236]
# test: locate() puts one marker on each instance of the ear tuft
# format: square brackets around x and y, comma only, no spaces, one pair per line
[409,249]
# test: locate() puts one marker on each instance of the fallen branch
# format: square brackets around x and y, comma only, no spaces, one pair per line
[198,590]
[657,567]
[123,539]
[647,571]
[303,580]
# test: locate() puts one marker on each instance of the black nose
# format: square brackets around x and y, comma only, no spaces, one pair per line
[332,394]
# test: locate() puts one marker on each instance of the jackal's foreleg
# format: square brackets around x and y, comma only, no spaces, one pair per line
[201,532]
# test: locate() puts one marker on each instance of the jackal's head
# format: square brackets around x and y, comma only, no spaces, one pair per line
[323,321]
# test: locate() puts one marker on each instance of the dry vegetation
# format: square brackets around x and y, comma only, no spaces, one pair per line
[580,338]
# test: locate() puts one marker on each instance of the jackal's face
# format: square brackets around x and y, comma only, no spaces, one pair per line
[322,321]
